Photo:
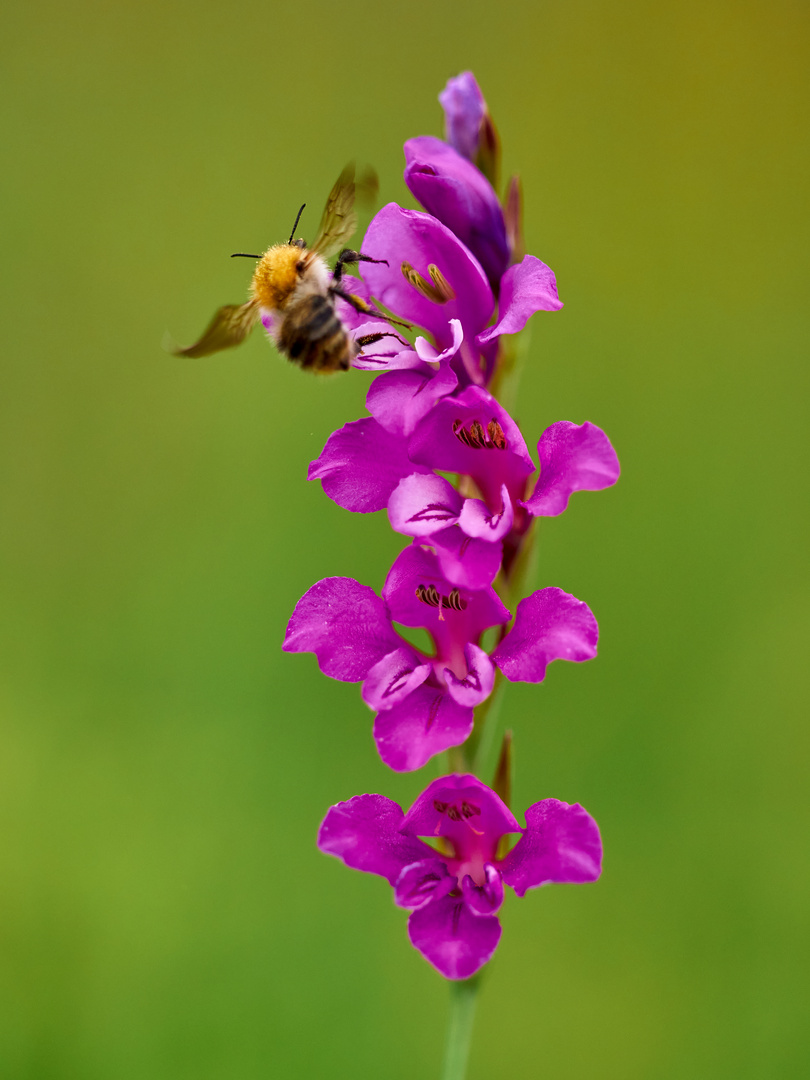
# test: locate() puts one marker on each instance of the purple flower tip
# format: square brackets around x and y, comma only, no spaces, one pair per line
[464,110]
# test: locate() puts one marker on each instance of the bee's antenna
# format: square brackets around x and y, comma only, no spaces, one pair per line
[244,255]
[295,226]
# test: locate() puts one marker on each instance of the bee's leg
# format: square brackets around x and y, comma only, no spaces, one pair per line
[372,339]
[347,257]
[363,307]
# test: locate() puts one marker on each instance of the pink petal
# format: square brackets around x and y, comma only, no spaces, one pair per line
[422,882]
[549,625]
[365,834]
[572,458]
[399,401]
[426,352]
[477,683]
[466,562]
[417,566]
[361,465]
[422,504]
[528,287]
[561,844]
[484,899]
[427,722]
[345,624]
[476,519]
[452,938]
[393,678]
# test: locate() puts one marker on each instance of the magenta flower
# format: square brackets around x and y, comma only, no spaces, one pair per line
[390,461]
[432,278]
[424,703]
[453,893]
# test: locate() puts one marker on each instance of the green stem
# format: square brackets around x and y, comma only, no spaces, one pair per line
[459,1028]
[481,749]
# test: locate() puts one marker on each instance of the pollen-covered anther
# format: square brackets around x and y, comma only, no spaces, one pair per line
[456,601]
[438,289]
[470,809]
[496,435]
[430,595]
[474,435]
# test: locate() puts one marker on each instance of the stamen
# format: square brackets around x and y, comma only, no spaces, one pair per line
[467,811]
[437,289]
[477,438]
[470,810]
[477,432]
[464,436]
[430,595]
[441,283]
[496,435]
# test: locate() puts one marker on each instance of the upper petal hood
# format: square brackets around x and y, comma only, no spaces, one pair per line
[439,441]
[452,189]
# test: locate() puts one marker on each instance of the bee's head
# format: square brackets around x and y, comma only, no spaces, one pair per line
[298,243]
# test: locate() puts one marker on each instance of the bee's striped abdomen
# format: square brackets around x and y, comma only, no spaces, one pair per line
[312,336]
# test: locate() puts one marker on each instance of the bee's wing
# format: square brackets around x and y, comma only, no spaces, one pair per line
[367,186]
[339,219]
[230,326]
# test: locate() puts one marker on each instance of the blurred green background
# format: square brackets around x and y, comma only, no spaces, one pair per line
[163,910]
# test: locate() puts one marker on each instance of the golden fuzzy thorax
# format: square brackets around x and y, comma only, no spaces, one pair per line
[277,275]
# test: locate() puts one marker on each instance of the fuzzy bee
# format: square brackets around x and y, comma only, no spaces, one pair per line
[294,285]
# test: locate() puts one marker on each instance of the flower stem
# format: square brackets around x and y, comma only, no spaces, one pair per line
[459,1027]
[479,744]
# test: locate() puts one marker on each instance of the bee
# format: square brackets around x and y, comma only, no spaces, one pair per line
[294,285]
